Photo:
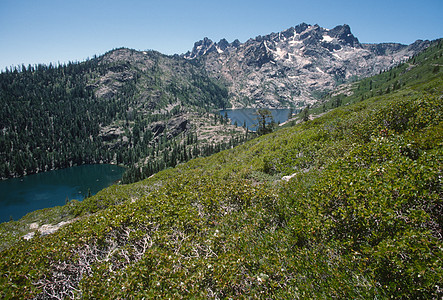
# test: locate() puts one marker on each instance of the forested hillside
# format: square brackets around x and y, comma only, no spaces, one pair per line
[109,109]
[347,205]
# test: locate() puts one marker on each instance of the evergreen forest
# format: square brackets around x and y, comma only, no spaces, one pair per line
[54,117]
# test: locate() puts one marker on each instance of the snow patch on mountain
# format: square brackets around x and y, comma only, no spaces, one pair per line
[327,38]
[318,69]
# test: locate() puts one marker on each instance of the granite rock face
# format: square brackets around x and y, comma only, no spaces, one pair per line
[172,127]
[291,67]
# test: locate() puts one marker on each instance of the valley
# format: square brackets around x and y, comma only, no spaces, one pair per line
[110,109]
[343,200]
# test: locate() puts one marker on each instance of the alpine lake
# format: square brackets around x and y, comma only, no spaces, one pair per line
[19,196]
[248,116]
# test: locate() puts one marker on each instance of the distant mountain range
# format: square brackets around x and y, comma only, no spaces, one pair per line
[296,66]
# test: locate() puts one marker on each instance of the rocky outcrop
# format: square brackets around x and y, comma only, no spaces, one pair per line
[176,126]
[171,128]
[157,128]
[111,133]
[45,229]
[114,136]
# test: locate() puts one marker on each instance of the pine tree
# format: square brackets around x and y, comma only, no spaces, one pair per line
[265,121]
[306,114]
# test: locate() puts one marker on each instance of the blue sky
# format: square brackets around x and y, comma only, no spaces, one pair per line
[44,31]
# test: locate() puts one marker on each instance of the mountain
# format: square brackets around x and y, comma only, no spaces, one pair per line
[110,109]
[344,205]
[296,66]
[123,94]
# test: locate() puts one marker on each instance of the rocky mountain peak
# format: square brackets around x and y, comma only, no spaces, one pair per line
[200,48]
[223,44]
[236,43]
[309,35]
[343,34]
[301,27]
[290,67]
[207,46]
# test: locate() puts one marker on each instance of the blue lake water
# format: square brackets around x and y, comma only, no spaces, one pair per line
[19,196]
[248,116]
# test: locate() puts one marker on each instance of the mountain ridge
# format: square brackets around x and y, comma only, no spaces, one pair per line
[289,68]
[343,32]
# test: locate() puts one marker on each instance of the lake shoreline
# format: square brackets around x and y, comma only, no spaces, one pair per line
[247,116]
[21,195]
[56,169]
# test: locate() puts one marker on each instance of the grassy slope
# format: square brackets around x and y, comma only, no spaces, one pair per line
[361,218]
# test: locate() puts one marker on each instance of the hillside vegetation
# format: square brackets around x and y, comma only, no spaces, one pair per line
[358,215]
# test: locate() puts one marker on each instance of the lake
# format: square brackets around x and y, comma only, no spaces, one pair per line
[19,196]
[248,116]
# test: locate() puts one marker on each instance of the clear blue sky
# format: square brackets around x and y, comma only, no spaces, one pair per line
[43,31]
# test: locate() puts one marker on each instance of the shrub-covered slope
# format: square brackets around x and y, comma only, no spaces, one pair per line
[358,216]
